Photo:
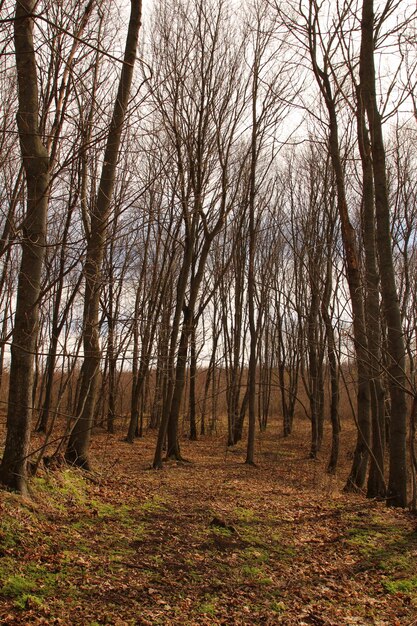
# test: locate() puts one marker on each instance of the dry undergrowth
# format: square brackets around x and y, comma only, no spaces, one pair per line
[207,542]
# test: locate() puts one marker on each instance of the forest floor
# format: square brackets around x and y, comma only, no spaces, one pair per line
[212,541]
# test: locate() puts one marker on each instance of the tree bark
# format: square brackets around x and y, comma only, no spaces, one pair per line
[13,470]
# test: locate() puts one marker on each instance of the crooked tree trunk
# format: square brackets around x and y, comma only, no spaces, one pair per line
[79,440]
[240,419]
[173,448]
[13,471]
[57,326]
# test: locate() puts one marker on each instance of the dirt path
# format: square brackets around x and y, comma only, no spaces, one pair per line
[207,542]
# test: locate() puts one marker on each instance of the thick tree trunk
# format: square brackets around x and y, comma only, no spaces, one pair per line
[13,472]
[397,485]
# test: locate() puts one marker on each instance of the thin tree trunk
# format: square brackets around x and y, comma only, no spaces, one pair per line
[357,476]
[79,441]
[313,366]
[193,378]
[376,484]
[250,450]
[334,380]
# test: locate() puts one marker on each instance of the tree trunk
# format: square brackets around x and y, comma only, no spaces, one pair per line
[135,393]
[240,418]
[376,483]
[397,485]
[332,356]
[357,477]
[13,472]
[173,449]
[172,377]
[79,440]
[193,377]
[313,366]
[253,335]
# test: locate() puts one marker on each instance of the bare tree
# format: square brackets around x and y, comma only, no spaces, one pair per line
[200,108]
[79,440]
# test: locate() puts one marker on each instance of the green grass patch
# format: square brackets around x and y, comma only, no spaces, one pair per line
[9,533]
[383,546]
[245,515]
[256,555]
[221,532]
[282,548]
[256,574]
[28,601]
[61,488]
[16,586]
[278,607]
[153,504]
[404,585]
[368,542]
[195,575]
[251,536]
[29,587]
[105,510]
[208,607]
